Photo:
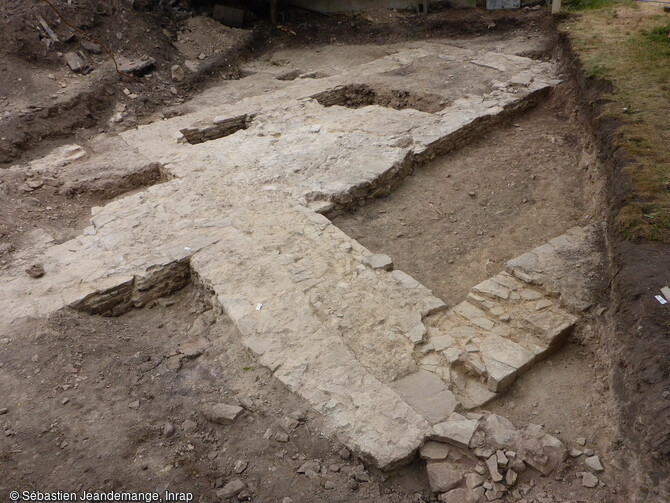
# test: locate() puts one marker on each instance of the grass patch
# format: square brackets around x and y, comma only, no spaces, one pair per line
[627,44]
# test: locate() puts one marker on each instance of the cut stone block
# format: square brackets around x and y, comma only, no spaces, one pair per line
[499,375]
[552,326]
[505,351]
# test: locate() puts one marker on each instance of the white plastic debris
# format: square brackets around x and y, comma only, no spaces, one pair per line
[660,299]
[258,306]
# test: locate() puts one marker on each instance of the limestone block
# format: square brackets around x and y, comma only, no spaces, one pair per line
[456,430]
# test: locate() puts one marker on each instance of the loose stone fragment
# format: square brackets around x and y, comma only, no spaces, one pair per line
[594,464]
[379,261]
[434,451]
[189,426]
[502,459]
[177,73]
[232,488]
[74,61]
[221,413]
[475,495]
[473,480]
[137,67]
[500,432]
[35,271]
[456,430]
[518,466]
[510,477]
[289,424]
[240,466]
[454,496]
[442,476]
[492,465]
[589,480]
[540,450]
[313,465]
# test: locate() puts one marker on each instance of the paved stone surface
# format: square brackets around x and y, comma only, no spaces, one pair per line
[248,185]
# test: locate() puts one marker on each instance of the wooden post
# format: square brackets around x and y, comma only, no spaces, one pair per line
[273,11]
[555,6]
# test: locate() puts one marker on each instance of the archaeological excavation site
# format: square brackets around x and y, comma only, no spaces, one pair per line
[333,251]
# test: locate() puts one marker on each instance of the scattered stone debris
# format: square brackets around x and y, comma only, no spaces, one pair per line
[168,430]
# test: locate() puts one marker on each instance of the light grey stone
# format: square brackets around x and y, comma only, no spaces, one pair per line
[594,463]
[443,476]
[231,489]
[434,451]
[473,480]
[492,465]
[589,480]
[428,394]
[454,496]
[456,430]
[379,261]
[221,413]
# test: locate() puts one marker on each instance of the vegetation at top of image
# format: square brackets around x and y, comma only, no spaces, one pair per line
[626,43]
